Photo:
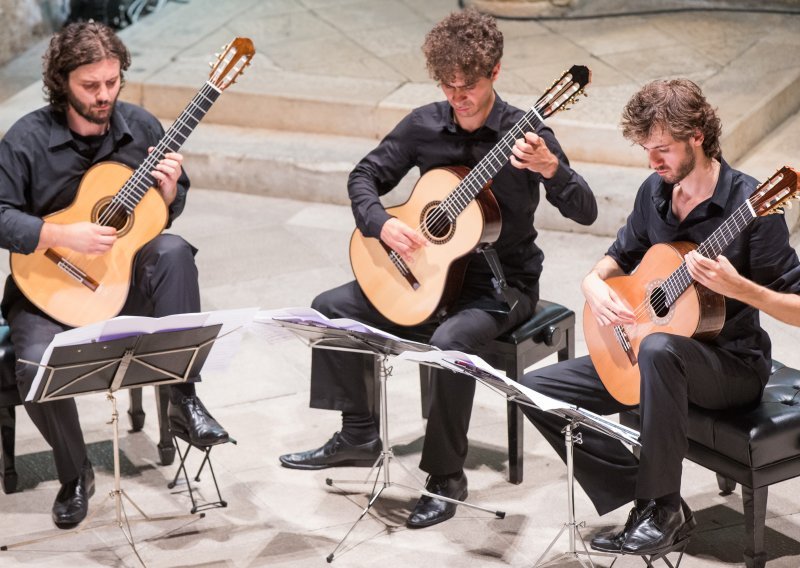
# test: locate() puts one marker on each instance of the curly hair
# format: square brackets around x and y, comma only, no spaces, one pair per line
[465,42]
[679,107]
[79,44]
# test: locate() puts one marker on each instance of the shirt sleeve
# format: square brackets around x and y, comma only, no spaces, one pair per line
[377,174]
[567,190]
[19,230]
[633,240]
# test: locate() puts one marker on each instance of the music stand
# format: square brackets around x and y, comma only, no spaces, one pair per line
[136,360]
[318,334]
[575,418]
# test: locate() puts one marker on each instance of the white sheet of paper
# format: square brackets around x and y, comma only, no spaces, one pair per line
[448,360]
[272,318]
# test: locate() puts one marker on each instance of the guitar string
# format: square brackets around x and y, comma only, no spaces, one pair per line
[677,283]
[439,219]
[141,179]
[117,206]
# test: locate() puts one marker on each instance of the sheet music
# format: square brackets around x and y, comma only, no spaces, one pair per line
[308,316]
[478,368]
[124,326]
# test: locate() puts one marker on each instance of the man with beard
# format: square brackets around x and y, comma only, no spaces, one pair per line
[692,192]
[42,159]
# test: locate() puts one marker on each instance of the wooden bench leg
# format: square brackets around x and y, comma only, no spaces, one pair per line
[8,474]
[755,514]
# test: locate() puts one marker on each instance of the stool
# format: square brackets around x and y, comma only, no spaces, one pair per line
[755,447]
[183,435]
[9,399]
[551,329]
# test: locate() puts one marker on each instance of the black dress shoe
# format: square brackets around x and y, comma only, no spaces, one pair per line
[612,542]
[335,452]
[72,501]
[191,417]
[657,531]
[430,511]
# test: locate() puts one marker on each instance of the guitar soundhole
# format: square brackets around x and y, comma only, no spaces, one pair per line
[435,224]
[108,215]
[658,302]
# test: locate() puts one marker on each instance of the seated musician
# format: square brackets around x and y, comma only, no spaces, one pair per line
[42,159]
[463,54]
[692,192]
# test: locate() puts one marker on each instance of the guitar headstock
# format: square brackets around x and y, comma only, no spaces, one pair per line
[231,62]
[564,91]
[772,195]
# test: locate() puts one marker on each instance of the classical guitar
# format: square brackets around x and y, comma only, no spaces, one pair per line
[454,209]
[666,299]
[78,289]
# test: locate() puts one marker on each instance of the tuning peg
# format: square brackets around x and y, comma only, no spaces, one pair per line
[211,64]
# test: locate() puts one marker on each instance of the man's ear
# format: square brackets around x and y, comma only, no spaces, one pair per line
[495,72]
[697,138]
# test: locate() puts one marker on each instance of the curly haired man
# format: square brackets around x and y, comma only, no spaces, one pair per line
[463,54]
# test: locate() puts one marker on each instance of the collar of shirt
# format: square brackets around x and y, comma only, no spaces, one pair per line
[493,121]
[662,197]
[60,134]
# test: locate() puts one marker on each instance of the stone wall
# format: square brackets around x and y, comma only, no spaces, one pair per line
[24,22]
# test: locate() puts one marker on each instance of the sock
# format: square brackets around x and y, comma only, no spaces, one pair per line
[358,429]
[671,501]
[180,390]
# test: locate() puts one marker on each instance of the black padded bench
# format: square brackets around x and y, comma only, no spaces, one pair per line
[9,399]
[754,447]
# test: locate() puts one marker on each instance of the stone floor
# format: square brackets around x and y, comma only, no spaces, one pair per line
[323,67]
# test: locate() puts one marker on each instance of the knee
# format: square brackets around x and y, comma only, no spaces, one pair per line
[171,249]
[325,304]
[659,352]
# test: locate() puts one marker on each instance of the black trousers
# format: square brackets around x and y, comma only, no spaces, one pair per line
[675,371]
[164,283]
[337,377]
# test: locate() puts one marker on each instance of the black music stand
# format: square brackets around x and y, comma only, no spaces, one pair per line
[320,335]
[575,417]
[135,360]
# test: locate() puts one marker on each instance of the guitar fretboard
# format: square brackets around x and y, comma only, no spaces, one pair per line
[712,247]
[488,167]
[129,196]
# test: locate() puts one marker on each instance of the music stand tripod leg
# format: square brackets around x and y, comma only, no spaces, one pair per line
[382,466]
[571,526]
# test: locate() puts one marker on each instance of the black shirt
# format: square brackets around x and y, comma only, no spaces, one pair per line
[42,163]
[761,253]
[428,138]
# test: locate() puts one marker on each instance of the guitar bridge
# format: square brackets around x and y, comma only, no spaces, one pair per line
[624,342]
[401,266]
[72,270]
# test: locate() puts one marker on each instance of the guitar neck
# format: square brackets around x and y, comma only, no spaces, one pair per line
[487,168]
[712,247]
[129,196]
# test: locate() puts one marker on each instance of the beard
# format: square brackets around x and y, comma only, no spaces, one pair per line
[91,112]
[684,168]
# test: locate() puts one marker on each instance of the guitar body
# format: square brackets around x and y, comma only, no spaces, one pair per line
[437,271]
[697,313]
[57,293]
